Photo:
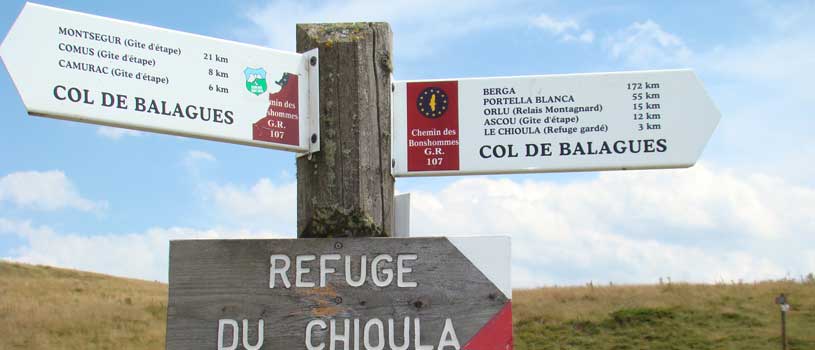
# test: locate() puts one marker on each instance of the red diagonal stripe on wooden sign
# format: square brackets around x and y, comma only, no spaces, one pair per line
[496,334]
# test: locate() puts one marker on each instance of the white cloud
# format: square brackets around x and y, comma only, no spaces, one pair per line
[50,190]
[700,224]
[116,133]
[265,204]
[194,160]
[144,255]
[697,224]
[761,84]
[647,45]
[137,255]
[195,156]
[587,37]
[782,53]
[565,29]
[419,26]
[779,51]
[417,32]
[784,62]
[785,16]
[554,25]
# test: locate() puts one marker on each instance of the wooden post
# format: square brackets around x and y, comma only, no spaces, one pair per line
[346,189]
[783,330]
[782,302]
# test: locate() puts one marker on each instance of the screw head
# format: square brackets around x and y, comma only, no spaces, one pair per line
[313,60]
[313,138]
[338,245]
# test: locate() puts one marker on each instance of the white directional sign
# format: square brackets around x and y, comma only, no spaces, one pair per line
[86,68]
[575,122]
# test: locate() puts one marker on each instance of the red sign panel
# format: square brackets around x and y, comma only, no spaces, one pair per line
[281,123]
[432,125]
[496,334]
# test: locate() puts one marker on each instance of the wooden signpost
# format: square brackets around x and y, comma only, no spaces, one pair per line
[346,189]
[345,293]
[338,287]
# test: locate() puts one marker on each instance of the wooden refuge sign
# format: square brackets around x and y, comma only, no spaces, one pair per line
[349,293]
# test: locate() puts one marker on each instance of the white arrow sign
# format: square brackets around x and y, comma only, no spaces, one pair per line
[575,122]
[81,67]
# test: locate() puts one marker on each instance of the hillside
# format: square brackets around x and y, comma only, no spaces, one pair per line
[669,316]
[49,308]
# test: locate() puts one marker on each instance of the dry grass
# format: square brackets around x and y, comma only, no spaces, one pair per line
[50,308]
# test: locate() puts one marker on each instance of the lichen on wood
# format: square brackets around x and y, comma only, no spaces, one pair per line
[333,222]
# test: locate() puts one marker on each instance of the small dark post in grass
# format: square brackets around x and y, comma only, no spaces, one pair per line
[782,301]
[783,329]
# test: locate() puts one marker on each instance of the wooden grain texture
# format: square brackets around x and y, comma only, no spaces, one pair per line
[217,279]
[346,189]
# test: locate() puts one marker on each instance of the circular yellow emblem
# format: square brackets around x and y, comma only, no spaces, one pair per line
[432,102]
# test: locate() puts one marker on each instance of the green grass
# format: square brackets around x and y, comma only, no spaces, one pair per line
[49,308]
[677,316]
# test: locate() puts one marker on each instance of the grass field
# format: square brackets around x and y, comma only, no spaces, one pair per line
[669,316]
[49,308]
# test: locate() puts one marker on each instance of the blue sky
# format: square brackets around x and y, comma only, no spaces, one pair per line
[109,200]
